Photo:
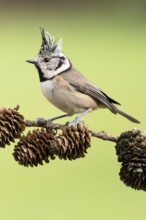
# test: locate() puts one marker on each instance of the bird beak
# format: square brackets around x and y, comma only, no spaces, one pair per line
[33,61]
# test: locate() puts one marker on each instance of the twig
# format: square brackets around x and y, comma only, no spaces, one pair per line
[43,124]
[17,107]
[51,126]
[104,136]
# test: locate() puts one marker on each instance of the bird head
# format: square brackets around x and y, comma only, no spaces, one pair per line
[50,60]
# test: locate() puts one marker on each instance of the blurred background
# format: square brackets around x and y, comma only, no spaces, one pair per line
[106,40]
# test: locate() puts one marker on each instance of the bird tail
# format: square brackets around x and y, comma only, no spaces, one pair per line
[126,115]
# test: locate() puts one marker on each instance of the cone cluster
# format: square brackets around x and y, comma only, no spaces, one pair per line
[131,151]
[43,145]
[34,148]
[38,146]
[11,126]
[73,142]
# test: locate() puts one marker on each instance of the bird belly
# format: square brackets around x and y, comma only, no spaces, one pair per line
[66,98]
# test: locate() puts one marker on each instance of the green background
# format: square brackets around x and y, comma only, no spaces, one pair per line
[107,42]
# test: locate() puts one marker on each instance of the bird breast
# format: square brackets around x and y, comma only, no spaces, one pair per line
[47,88]
[65,97]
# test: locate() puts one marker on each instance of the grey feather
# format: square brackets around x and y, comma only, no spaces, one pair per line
[127,115]
[81,84]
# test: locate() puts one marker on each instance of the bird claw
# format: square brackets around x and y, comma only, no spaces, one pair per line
[76,121]
[79,118]
[40,121]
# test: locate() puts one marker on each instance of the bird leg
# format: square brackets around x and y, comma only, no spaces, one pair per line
[57,117]
[41,120]
[79,117]
[75,121]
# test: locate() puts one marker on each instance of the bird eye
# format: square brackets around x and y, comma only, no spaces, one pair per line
[46,60]
[62,58]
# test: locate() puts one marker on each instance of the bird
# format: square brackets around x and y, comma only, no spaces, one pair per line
[66,87]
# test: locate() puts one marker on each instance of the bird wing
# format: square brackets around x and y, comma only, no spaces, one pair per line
[81,84]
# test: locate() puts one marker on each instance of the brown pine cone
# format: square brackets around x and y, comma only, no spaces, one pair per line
[11,125]
[131,151]
[73,142]
[34,148]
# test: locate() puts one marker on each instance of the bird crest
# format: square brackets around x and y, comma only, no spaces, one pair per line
[49,45]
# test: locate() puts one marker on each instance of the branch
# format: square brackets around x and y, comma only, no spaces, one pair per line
[43,124]
[43,145]
[104,136]
[50,126]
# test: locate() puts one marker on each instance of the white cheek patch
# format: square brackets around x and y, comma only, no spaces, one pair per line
[51,73]
[53,64]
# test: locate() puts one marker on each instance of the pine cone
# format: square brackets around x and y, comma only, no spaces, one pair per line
[34,148]
[11,125]
[131,151]
[73,142]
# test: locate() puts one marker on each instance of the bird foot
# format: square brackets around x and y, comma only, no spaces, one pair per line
[40,121]
[79,118]
[76,121]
